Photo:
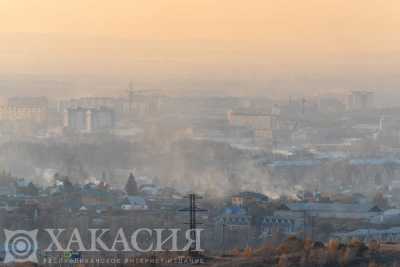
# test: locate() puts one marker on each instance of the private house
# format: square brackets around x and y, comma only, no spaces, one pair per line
[8,185]
[381,235]
[93,196]
[273,224]
[233,228]
[247,198]
[134,203]
[8,190]
[389,217]
[234,218]
[328,210]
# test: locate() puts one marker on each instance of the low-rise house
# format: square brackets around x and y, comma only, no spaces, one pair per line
[8,190]
[95,210]
[169,193]
[94,196]
[134,203]
[233,228]
[237,201]
[381,235]
[7,184]
[247,198]
[271,224]
[25,188]
[328,210]
[99,222]
[8,205]
[234,218]
[389,217]
[307,196]
[358,198]
[72,204]
[149,189]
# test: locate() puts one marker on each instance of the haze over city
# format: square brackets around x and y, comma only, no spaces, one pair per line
[270,48]
[180,132]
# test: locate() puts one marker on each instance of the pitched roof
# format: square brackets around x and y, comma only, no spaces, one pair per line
[136,200]
[332,207]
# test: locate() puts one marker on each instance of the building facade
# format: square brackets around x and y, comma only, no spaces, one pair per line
[30,109]
[361,100]
[89,119]
[262,124]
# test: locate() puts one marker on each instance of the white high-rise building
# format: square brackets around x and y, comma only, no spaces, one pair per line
[361,100]
[89,119]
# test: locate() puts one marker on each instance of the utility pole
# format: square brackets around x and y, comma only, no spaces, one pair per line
[312,227]
[304,225]
[193,209]
[223,237]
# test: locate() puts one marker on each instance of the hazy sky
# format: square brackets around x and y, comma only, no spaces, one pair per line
[235,46]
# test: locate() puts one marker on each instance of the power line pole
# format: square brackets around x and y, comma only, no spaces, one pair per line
[193,209]
[223,237]
[304,225]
